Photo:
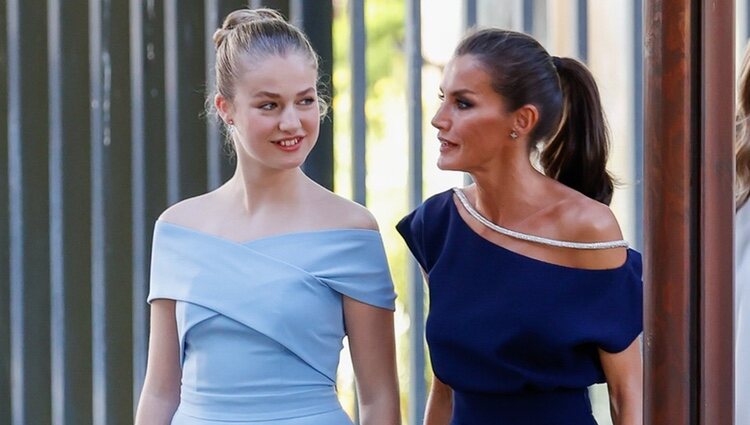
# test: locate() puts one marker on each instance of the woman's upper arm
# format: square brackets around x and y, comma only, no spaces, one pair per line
[372,345]
[163,372]
[439,409]
[161,389]
[624,372]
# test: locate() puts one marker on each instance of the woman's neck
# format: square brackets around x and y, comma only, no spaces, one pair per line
[256,188]
[506,194]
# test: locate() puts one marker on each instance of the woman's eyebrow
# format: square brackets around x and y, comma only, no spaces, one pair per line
[276,95]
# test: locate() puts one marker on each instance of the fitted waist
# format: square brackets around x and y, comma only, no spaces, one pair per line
[563,406]
[281,404]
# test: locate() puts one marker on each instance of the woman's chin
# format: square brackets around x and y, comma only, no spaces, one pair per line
[447,165]
[290,165]
[288,162]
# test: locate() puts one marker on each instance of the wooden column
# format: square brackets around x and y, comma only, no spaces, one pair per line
[717,213]
[689,124]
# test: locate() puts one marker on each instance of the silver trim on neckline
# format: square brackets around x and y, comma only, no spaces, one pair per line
[531,238]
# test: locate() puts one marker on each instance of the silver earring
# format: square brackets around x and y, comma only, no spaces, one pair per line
[230,121]
[513,135]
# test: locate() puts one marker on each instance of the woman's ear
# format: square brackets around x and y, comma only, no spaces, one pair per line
[224,107]
[526,118]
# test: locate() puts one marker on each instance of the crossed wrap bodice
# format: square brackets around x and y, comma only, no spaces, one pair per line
[260,324]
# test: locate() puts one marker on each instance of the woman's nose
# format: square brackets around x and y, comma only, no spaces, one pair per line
[439,120]
[289,120]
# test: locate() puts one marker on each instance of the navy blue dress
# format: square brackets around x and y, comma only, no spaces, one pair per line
[517,338]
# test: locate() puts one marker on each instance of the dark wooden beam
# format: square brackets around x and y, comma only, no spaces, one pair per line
[671,198]
[717,211]
[689,124]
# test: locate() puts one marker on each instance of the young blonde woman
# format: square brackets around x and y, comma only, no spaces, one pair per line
[254,285]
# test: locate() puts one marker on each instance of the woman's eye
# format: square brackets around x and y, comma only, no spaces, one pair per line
[307,101]
[268,106]
[463,105]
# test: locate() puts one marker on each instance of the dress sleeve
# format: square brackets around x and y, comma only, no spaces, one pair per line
[360,271]
[170,267]
[411,229]
[617,312]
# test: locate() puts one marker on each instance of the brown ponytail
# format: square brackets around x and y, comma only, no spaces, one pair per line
[562,90]
[577,155]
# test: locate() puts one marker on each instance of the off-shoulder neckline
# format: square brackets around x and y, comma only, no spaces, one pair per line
[630,252]
[277,236]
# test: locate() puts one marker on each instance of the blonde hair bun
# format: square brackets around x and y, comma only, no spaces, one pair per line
[243,17]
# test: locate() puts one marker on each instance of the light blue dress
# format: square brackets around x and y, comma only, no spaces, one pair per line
[260,324]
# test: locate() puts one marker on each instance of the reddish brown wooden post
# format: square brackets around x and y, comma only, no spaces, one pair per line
[689,124]
[670,207]
[717,212]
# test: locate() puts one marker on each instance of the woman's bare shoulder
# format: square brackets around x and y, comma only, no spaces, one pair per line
[590,220]
[586,220]
[190,212]
[339,212]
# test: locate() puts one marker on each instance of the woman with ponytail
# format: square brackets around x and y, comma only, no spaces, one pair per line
[255,284]
[742,249]
[534,296]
